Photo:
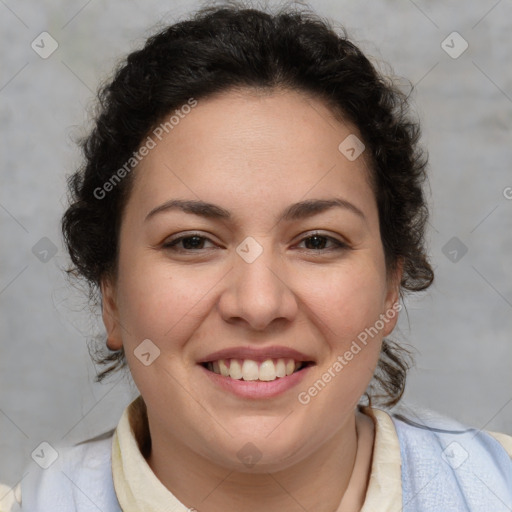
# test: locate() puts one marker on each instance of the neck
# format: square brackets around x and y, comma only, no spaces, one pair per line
[332,479]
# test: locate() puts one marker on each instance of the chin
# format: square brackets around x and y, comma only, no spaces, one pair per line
[252,454]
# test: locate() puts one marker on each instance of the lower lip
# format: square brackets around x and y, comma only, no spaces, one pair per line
[257,389]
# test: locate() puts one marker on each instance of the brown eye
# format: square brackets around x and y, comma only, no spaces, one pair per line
[319,243]
[188,243]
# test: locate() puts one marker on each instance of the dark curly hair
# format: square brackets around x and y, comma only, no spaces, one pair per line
[232,46]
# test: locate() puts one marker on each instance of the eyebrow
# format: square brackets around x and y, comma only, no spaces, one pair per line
[300,210]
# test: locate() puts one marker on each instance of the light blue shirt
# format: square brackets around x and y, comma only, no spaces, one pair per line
[445,468]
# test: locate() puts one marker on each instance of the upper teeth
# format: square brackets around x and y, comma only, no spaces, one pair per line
[247,369]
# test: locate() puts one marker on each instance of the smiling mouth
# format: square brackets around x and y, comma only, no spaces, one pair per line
[250,370]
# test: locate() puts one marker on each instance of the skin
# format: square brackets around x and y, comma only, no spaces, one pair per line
[253,154]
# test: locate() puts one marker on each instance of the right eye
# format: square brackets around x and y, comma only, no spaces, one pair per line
[191,243]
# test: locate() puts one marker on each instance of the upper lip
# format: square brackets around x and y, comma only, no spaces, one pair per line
[257,354]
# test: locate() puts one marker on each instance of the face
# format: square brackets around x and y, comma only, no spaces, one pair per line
[251,276]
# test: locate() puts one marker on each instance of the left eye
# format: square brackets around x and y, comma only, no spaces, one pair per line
[318,242]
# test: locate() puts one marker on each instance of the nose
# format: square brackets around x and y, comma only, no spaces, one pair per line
[257,293]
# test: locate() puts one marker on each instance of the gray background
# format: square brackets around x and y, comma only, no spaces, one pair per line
[461,328]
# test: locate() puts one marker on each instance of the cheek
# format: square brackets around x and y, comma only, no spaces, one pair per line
[160,302]
[345,313]
[347,301]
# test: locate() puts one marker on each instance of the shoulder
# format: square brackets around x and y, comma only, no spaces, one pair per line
[425,425]
[505,440]
[10,498]
[71,478]
[448,465]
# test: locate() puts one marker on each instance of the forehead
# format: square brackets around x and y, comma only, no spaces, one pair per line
[239,147]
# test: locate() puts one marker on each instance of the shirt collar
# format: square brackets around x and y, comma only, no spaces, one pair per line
[139,490]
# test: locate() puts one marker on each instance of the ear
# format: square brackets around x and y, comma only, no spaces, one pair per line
[110,314]
[392,302]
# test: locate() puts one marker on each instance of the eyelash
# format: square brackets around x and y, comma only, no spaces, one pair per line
[338,245]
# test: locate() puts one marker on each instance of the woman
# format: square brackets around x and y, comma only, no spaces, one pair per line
[251,210]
